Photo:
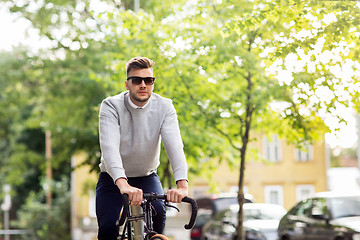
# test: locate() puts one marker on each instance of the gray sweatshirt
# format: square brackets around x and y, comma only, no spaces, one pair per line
[130,138]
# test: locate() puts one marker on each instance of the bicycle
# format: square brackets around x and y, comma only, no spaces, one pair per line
[142,215]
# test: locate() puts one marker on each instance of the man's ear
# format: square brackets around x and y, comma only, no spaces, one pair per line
[127,85]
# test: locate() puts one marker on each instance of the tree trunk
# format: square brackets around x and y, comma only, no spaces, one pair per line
[241,195]
[244,140]
[241,199]
[48,156]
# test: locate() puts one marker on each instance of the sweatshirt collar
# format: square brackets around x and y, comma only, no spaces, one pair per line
[133,105]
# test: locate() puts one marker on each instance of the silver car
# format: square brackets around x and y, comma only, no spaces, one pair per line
[260,222]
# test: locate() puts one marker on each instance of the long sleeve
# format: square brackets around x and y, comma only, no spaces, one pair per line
[170,134]
[109,134]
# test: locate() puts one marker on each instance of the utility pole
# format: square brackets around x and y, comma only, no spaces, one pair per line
[74,224]
[118,3]
[357,116]
[48,156]
[136,5]
[6,206]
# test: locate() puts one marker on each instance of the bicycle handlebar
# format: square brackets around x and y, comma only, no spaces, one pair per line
[152,197]
[194,210]
[125,210]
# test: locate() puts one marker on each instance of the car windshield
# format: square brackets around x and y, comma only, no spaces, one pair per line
[263,213]
[201,219]
[223,203]
[345,206]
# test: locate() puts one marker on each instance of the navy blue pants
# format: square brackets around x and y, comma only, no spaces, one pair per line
[109,203]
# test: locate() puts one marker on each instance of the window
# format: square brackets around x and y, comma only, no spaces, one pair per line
[319,207]
[305,154]
[303,191]
[272,148]
[304,208]
[274,194]
[235,189]
[352,206]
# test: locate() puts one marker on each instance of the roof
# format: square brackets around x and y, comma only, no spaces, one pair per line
[226,195]
[235,207]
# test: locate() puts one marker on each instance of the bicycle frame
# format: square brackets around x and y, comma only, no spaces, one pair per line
[138,226]
[139,219]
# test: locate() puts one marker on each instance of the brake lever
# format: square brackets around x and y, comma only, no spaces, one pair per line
[172,206]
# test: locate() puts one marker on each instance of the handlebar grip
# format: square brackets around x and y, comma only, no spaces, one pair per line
[194,210]
[125,210]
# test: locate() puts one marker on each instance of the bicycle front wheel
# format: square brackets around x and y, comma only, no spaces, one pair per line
[159,237]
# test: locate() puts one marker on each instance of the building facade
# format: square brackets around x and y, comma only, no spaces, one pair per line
[83,217]
[275,172]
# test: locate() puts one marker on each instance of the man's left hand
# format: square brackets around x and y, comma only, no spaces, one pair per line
[176,195]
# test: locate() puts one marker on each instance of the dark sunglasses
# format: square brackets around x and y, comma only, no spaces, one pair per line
[138,80]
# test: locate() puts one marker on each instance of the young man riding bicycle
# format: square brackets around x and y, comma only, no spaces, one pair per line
[131,127]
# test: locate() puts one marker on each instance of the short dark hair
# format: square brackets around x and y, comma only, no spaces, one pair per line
[138,63]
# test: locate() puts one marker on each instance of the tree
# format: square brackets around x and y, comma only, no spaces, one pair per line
[15,109]
[221,62]
[56,224]
[63,87]
[241,92]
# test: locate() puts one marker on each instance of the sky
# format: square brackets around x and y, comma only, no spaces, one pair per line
[13,31]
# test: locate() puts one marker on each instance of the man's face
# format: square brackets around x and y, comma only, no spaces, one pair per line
[139,94]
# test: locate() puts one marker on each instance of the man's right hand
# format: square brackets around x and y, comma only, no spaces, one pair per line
[135,194]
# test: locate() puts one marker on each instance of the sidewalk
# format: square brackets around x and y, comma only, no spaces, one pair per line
[175,230]
[175,222]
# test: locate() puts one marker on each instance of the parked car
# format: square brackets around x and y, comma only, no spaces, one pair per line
[218,202]
[260,222]
[203,217]
[325,216]
[210,206]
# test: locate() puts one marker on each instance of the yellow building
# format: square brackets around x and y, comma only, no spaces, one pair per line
[83,218]
[280,173]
